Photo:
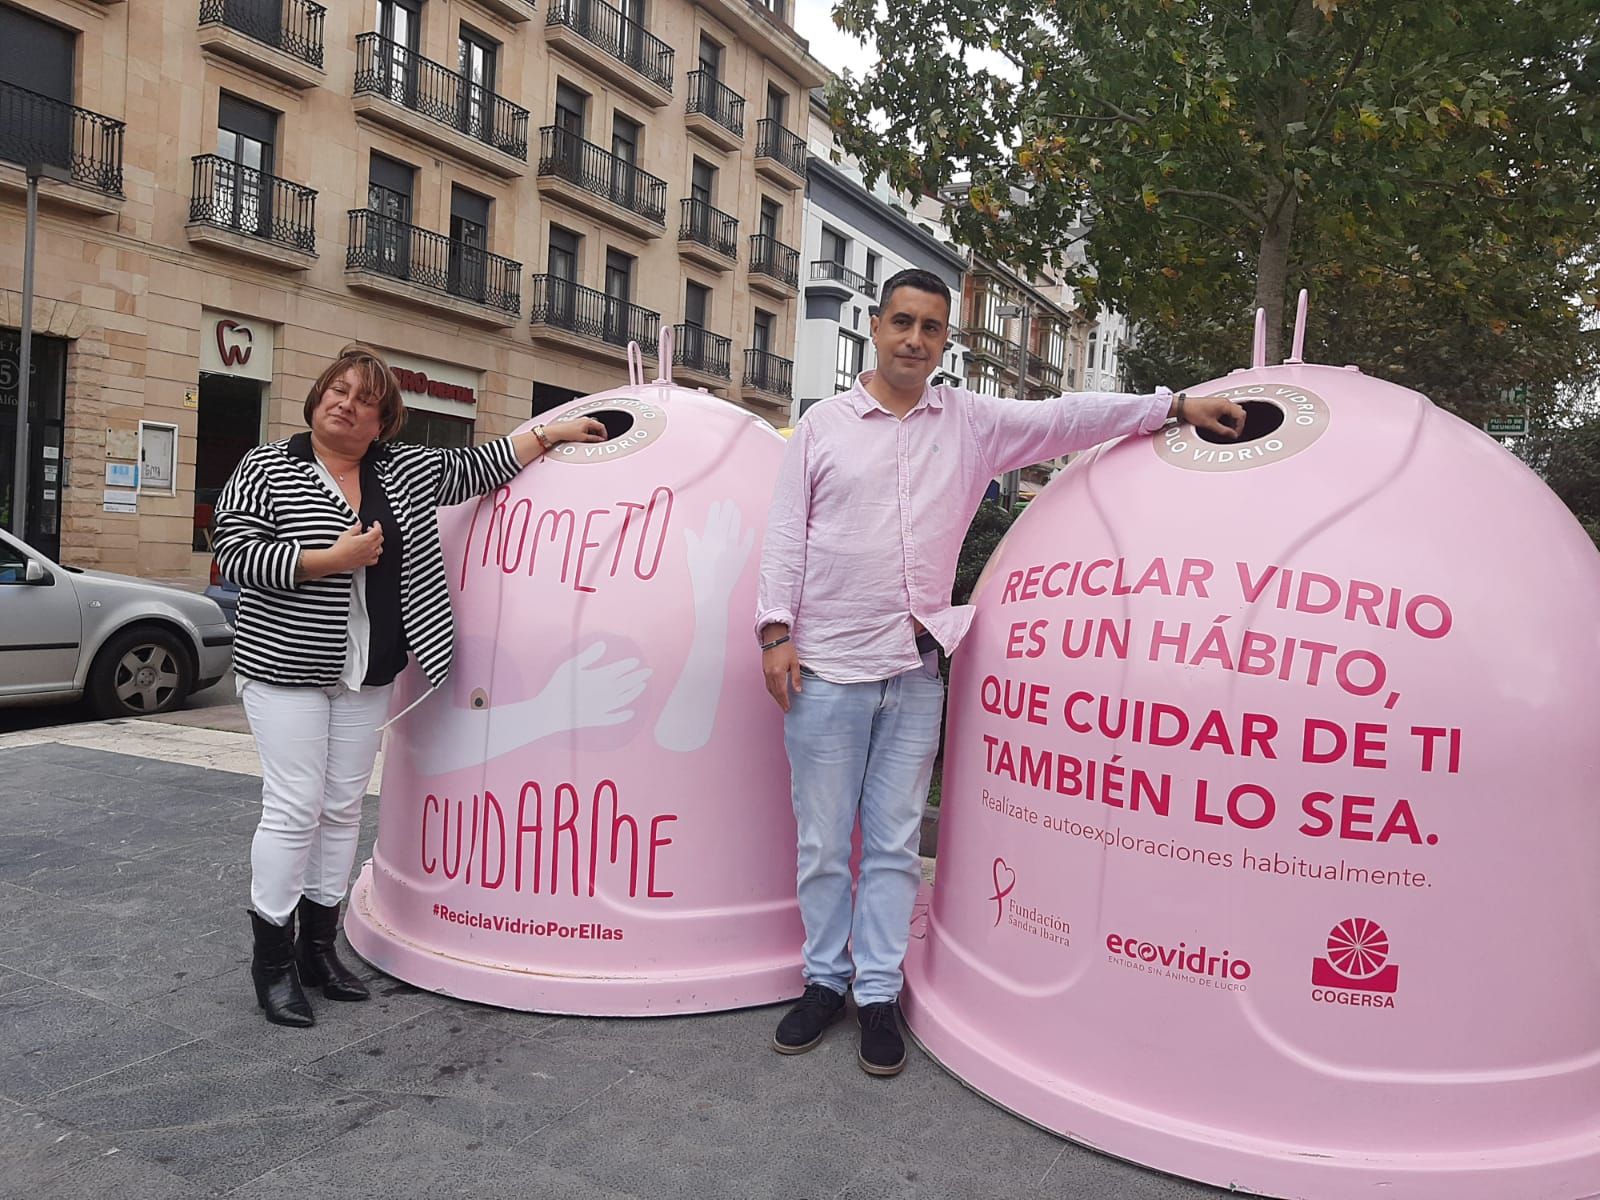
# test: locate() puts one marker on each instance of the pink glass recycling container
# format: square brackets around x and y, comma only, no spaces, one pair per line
[592,815]
[1270,849]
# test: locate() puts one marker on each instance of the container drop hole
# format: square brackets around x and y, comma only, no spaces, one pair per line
[616,421]
[1261,417]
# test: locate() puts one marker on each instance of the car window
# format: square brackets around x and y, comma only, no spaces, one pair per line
[13,566]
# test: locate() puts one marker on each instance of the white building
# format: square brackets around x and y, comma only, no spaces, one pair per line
[853,240]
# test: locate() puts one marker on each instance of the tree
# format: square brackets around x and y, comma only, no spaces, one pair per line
[1565,449]
[1425,167]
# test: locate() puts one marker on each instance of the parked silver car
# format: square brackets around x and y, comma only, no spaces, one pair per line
[131,646]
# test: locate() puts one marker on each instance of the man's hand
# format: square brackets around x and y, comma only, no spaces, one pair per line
[781,667]
[1212,413]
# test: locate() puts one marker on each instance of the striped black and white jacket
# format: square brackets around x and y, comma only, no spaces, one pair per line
[275,505]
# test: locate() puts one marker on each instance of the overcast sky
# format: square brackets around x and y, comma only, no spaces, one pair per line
[835,49]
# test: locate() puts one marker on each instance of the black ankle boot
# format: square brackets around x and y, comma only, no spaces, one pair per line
[276,978]
[319,960]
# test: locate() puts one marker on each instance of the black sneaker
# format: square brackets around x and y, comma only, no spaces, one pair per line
[883,1051]
[803,1025]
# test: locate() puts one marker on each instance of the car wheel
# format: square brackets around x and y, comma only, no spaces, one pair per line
[140,672]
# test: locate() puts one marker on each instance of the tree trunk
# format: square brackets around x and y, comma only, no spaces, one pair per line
[1272,270]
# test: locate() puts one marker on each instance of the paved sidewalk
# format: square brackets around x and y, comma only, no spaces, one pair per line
[134,1065]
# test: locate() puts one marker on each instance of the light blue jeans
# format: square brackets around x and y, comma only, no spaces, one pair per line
[867,749]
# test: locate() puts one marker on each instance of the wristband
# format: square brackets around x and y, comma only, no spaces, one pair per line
[774,643]
[1179,413]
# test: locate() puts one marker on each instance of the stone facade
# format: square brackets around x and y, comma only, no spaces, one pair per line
[129,278]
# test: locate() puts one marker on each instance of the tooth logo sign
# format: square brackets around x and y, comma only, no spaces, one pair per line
[233,353]
[1005,879]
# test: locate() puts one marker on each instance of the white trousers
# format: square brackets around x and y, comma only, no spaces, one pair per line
[317,748]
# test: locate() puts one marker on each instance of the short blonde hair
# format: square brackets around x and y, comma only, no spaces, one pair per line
[376,379]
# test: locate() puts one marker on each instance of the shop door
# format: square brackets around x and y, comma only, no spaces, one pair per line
[228,427]
[46,407]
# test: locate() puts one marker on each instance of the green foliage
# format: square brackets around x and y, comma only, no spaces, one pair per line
[1425,167]
[1565,449]
[988,527]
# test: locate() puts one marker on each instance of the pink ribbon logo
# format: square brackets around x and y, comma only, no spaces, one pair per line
[1005,879]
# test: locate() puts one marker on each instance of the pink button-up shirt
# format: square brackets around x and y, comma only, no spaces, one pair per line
[870,512]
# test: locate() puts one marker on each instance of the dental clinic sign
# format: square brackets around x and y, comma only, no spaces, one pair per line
[236,345]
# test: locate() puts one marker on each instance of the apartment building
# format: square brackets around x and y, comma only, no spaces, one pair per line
[498,194]
[992,305]
[854,239]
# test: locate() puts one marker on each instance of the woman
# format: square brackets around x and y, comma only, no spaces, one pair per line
[333,537]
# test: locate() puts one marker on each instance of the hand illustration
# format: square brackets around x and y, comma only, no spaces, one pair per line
[593,695]
[441,737]
[716,557]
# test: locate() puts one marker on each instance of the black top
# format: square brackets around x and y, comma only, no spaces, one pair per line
[386,638]
[386,641]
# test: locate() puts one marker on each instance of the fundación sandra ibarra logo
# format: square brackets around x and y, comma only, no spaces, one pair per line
[1355,970]
[1036,922]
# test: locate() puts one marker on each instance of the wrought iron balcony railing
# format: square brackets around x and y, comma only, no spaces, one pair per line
[387,68]
[995,347]
[709,95]
[36,128]
[769,256]
[774,141]
[699,222]
[232,196]
[430,260]
[567,156]
[826,268]
[292,26]
[623,38]
[768,373]
[697,349]
[567,305]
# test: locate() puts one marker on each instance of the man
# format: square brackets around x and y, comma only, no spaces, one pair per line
[872,503]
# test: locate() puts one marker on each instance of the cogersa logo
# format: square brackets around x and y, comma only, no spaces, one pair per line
[1356,970]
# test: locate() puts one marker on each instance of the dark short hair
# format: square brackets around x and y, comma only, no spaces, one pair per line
[913,277]
[376,379]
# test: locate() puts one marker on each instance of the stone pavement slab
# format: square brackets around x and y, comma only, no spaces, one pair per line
[134,1064]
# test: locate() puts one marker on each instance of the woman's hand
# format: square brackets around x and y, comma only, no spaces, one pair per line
[352,549]
[578,429]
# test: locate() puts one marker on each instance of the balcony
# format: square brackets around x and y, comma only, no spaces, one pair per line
[707,235]
[243,211]
[581,175]
[1048,375]
[390,258]
[780,155]
[561,309]
[594,34]
[839,282]
[513,12]
[995,348]
[714,111]
[765,29]
[281,39]
[416,96]
[35,128]
[700,357]
[774,267]
[771,377]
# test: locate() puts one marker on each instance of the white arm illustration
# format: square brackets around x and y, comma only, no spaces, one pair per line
[716,558]
[579,695]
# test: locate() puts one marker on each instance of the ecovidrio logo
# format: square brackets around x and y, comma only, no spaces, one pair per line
[1356,970]
[1190,964]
